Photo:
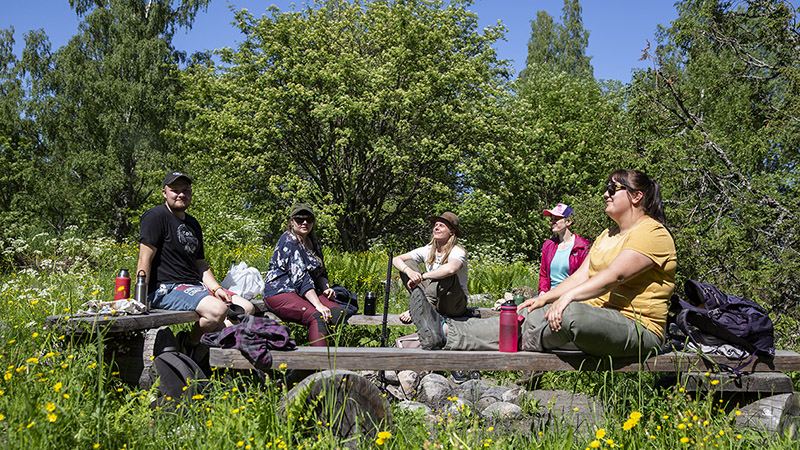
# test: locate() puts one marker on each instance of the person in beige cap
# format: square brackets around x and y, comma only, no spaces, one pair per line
[444,281]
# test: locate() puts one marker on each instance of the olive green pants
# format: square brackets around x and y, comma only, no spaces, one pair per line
[595,331]
[446,294]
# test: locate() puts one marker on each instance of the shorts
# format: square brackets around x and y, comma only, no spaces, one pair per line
[178,297]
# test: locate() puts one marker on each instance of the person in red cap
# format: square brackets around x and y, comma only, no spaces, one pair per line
[563,253]
[444,281]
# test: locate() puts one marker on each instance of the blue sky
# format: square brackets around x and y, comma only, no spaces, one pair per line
[618,29]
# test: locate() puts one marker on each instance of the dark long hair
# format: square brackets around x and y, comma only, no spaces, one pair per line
[634,180]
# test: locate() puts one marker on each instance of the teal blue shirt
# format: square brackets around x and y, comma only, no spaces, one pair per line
[559,267]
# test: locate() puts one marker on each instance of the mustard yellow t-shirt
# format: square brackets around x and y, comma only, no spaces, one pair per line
[645,297]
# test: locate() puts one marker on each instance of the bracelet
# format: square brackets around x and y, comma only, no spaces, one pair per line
[214,291]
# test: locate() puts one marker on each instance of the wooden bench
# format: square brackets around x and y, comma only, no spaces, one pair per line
[133,341]
[359,358]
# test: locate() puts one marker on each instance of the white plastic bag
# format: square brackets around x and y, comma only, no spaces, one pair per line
[243,280]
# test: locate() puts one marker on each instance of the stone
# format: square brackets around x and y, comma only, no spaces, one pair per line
[457,406]
[409,405]
[774,382]
[513,395]
[434,390]
[391,377]
[471,389]
[507,417]
[567,408]
[479,299]
[492,395]
[409,380]
[504,410]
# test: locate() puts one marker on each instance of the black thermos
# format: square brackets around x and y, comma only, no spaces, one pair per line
[369,304]
[140,292]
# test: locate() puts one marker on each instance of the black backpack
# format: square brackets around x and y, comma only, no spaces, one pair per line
[712,317]
[175,370]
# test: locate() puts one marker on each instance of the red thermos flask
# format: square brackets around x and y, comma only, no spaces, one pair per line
[509,327]
[122,286]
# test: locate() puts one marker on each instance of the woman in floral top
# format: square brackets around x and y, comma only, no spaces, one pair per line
[296,286]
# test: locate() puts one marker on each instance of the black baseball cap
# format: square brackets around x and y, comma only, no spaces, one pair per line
[173,176]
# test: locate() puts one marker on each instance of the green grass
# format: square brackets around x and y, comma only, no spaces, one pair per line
[55,393]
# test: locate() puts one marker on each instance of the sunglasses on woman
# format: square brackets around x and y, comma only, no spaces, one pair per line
[300,219]
[612,188]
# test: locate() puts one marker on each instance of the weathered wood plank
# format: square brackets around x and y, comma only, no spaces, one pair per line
[350,358]
[78,324]
[162,317]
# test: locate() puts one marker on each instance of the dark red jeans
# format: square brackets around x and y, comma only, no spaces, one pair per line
[291,307]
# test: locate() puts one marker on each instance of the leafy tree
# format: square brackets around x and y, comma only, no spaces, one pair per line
[717,119]
[100,105]
[558,47]
[365,109]
[18,143]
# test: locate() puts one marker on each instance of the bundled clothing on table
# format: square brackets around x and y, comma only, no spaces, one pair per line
[255,337]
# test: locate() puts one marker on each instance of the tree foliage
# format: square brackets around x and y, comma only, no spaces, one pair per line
[556,47]
[100,105]
[364,109]
[718,120]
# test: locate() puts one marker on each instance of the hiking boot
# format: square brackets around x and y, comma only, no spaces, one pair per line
[427,320]
[459,376]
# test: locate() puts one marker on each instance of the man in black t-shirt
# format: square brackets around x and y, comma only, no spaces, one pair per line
[171,253]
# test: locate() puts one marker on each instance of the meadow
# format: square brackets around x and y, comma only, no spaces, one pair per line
[58,393]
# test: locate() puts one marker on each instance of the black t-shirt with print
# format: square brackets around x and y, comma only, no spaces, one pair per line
[178,243]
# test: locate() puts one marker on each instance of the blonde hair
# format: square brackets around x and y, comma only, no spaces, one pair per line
[448,247]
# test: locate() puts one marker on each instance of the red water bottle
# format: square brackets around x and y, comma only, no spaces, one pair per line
[122,285]
[509,327]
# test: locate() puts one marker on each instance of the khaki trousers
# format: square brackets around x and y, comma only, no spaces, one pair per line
[595,331]
[446,294]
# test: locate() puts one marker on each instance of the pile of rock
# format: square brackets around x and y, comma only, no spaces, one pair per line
[513,409]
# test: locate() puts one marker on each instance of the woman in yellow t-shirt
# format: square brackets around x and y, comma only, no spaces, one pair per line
[615,304]
[629,276]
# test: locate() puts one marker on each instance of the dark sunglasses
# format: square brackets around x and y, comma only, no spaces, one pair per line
[612,188]
[300,219]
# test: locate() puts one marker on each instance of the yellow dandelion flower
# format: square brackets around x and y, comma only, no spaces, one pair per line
[240,444]
[30,424]
[681,426]
[379,441]
[52,417]
[636,415]
[738,413]
[209,423]
[32,360]
[684,440]
[50,407]
[92,365]
[282,366]
[714,382]
[96,446]
[601,433]
[594,444]
[197,396]
[35,334]
[384,435]
[66,396]
[57,386]
[2,417]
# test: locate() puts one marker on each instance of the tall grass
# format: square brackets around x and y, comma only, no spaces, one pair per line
[59,393]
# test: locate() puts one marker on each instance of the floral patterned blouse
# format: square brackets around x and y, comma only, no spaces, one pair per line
[293,267]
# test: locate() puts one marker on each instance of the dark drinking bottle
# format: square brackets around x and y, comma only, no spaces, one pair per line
[140,291]
[369,304]
[122,285]
[508,327]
